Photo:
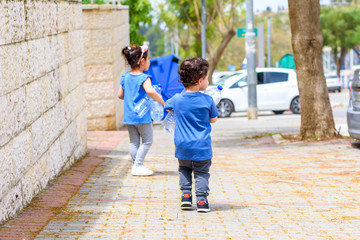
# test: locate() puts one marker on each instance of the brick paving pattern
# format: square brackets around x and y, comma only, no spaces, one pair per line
[261,188]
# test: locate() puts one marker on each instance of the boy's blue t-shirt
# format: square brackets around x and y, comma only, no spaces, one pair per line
[193,111]
[133,92]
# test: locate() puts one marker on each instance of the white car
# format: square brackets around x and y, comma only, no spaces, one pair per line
[333,82]
[277,91]
[218,76]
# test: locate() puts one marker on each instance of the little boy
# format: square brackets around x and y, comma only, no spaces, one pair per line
[194,111]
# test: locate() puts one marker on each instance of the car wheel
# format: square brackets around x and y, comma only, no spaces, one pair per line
[295,105]
[225,108]
[278,112]
[339,89]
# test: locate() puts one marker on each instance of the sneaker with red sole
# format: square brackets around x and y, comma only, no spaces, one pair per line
[203,206]
[186,201]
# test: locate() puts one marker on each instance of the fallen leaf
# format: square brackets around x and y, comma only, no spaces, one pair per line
[166,217]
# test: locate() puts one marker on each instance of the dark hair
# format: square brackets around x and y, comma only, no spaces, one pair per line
[132,53]
[191,70]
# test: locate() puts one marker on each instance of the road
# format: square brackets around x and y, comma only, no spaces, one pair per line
[339,103]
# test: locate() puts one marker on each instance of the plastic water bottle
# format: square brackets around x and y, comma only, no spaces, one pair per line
[215,93]
[145,104]
[157,110]
[169,123]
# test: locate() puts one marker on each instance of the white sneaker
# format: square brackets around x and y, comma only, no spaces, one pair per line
[141,171]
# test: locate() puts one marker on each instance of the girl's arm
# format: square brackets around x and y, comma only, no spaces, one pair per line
[121,93]
[152,93]
[212,120]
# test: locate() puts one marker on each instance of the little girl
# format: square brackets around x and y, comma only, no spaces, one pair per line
[133,87]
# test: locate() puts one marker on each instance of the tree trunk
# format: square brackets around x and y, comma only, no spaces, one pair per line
[339,61]
[214,60]
[306,39]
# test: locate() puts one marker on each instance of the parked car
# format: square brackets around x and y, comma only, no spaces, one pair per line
[353,111]
[277,91]
[218,76]
[333,82]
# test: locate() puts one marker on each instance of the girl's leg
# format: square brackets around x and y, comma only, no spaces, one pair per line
[134,136]
[146,133]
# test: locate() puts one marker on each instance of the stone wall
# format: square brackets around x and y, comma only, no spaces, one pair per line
[106,32]
[42,108]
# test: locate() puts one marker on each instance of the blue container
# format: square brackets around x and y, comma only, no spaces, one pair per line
[164,71]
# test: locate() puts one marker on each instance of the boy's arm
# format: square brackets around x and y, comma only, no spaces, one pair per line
[121,93]
[151,92]
[212,120]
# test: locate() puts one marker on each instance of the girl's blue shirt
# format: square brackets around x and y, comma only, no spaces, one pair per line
[133,92]
[193,111]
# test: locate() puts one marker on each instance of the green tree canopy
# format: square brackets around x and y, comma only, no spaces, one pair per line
[139,13]
[183,18]
[340,28]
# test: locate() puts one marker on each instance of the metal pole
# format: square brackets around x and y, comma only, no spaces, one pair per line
[250,47]
[261,47]
[269,42]
[203,29]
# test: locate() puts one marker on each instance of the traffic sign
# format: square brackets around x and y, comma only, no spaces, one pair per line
[242,31]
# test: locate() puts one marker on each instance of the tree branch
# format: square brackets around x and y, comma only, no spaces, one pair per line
[189,19]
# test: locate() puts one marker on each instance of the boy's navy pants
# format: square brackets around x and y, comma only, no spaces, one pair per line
[201,176]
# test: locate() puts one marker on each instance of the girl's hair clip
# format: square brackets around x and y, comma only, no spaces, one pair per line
[129,48]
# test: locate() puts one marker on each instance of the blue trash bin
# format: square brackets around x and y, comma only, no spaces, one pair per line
[164,71]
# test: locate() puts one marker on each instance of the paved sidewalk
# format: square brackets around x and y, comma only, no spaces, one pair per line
[261,188]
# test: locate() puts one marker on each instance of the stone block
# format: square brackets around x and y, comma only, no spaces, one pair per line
[64,48]
[54,123]
[76,44]
[30,184]
[95,19]
[78,16]
[12,21]
[101,124]
[10,70]
[64,9]
[117,50]
[37,99]
[68,142]
[22,153]
[43,171]
[97,73]
[101,37]
[69,106]
[79,100]
[87,39]
[7,174]
[99,55]
[39,139]
[13,115]
[99,90]
[55,88]
[76,72]
[55,159]
[62,76]
[121,16]
[101,108]
[11,203]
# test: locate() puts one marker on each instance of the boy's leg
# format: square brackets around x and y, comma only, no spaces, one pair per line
[185,178]
[146,133]
[202,175]
[185,181]
[134,136]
